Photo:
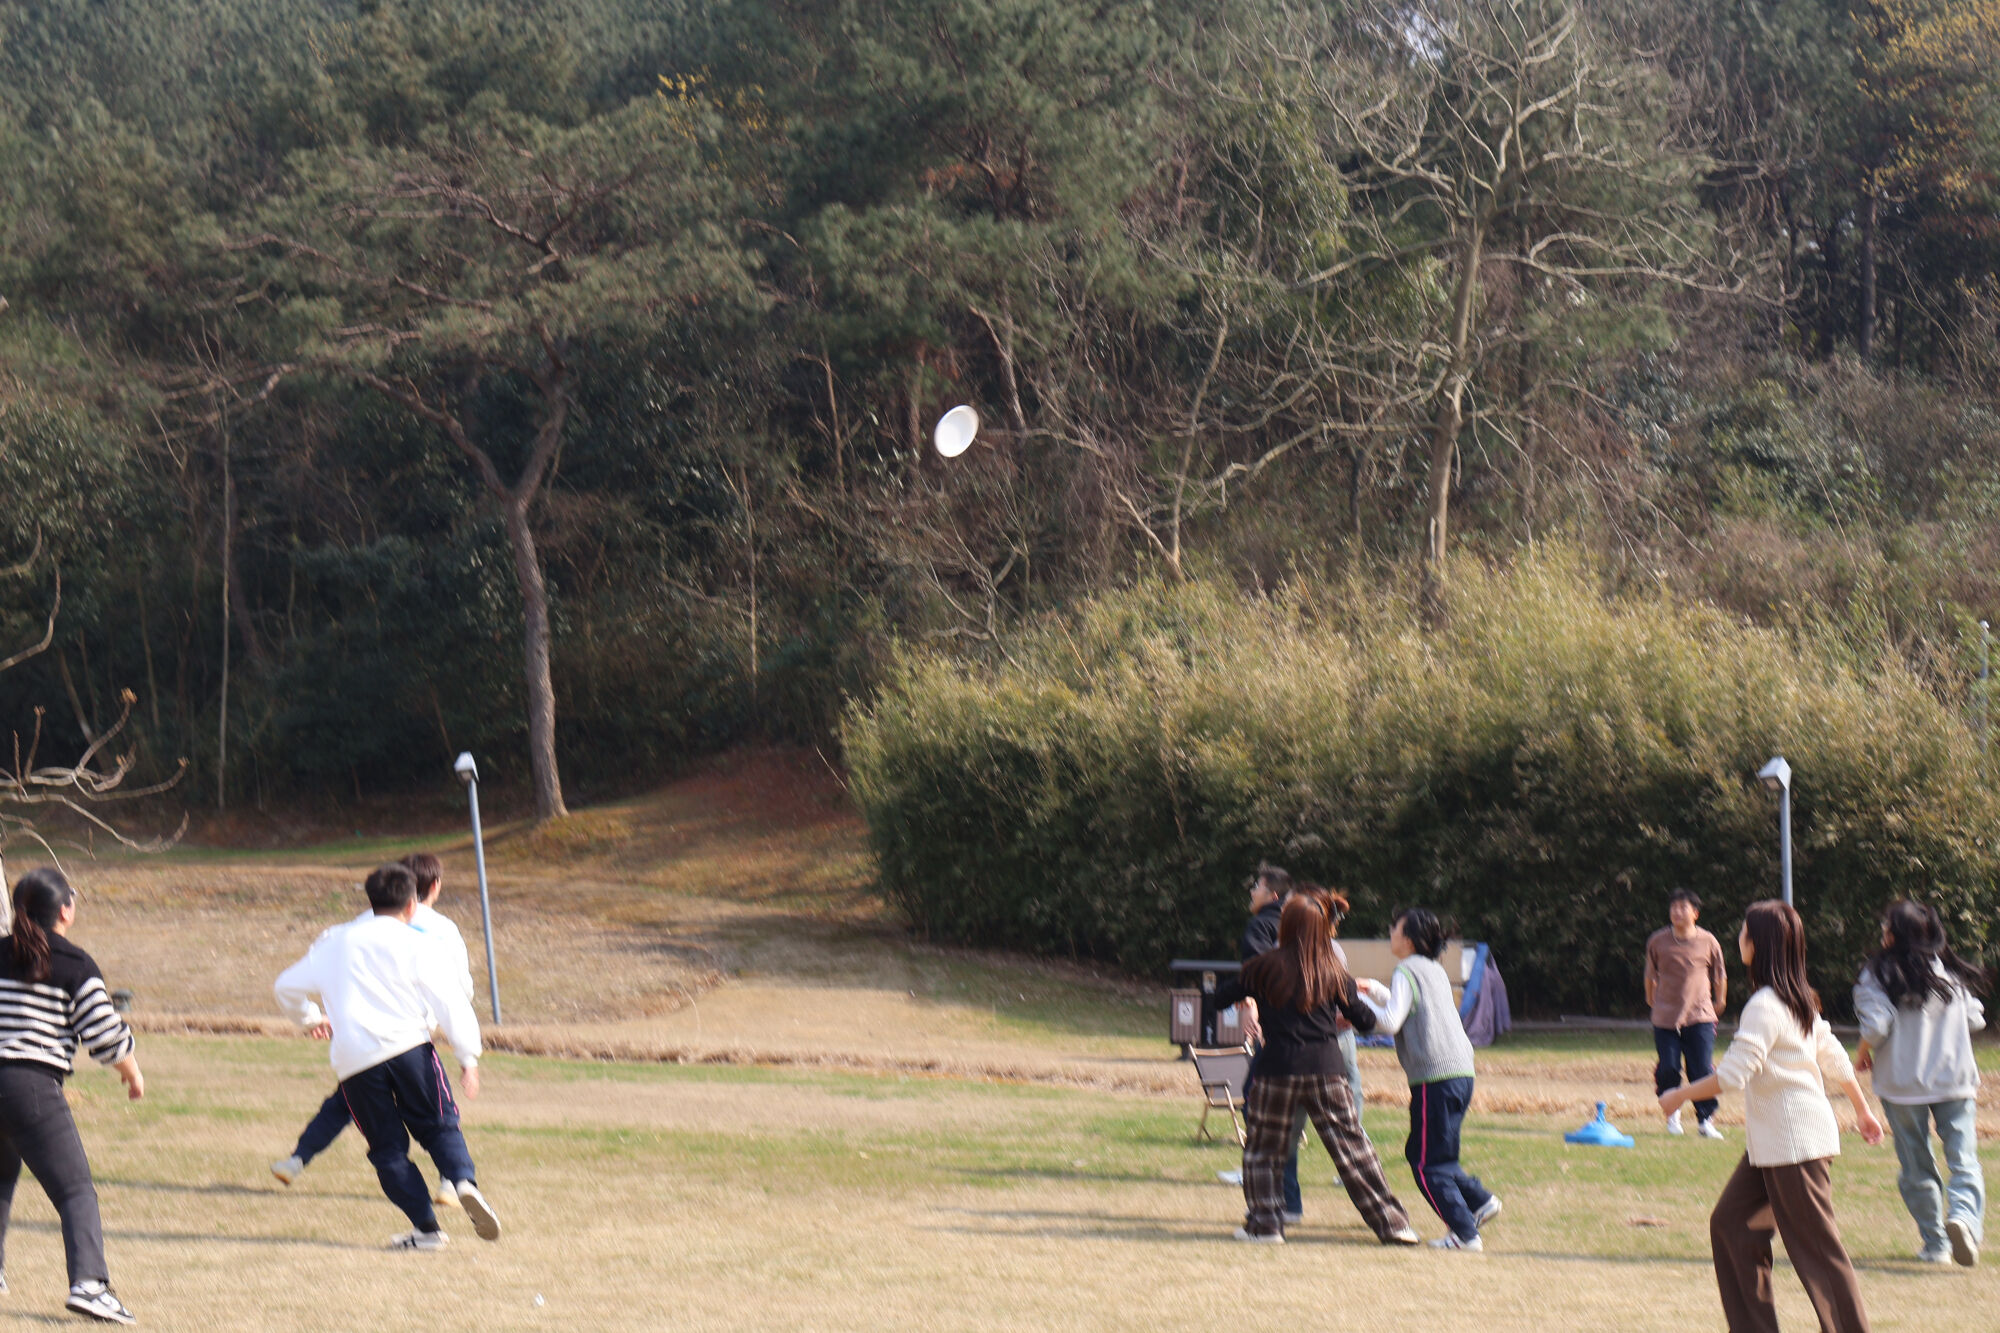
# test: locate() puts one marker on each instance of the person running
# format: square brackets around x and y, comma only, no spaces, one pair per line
[53,1002]
[1436,1055]
[1918,1014]
[1686,988]
[1299,988]
[371,985]
[455,964]
[1781,1059]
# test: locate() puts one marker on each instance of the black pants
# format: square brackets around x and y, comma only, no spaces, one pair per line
[37,1129]
[1694,1044]
[324,1128]
[408,1097]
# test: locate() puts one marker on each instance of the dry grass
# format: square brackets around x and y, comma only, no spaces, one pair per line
[787,1114]
[667,1197]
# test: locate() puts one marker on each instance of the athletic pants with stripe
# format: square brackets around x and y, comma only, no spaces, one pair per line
[1271,1135]
[1436,1111]
[408,1097]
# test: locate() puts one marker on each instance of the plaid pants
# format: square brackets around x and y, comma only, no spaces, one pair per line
[1269,1118]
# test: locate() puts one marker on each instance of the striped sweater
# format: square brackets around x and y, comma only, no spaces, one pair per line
[43,1023]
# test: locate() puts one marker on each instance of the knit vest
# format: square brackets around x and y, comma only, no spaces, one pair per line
[1432,1043]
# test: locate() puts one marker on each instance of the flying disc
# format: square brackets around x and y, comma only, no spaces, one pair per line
[955,431]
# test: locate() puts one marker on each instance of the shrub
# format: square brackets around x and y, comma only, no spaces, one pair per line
[1545,764]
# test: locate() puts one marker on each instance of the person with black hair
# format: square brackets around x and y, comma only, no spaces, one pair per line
[378,986]
[1686,988]
[1782,1058]
[1436,1055]
[53,1003]
[449,956]
[1918,1013]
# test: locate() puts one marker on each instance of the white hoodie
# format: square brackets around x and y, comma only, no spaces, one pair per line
[442,934]
[379,984]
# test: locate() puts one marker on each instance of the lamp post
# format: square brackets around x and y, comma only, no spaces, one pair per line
[468,773]
[1985,682]
[1777,776]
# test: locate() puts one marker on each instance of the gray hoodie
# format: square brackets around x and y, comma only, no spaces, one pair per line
[1922,1055]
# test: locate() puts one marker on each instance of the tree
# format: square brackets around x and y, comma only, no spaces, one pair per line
[1506,142]
[464,266]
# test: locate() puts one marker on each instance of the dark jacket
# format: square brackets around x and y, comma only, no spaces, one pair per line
[1294,1042]
[1260,933]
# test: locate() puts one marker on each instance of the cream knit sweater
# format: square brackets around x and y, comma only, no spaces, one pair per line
[1783,1074]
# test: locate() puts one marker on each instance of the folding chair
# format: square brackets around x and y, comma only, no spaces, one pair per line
[1222,1075]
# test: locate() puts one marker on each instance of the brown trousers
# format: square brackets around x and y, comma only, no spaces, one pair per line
[1796,1201]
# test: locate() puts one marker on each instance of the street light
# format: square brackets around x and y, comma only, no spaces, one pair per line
[1777,776]
[468,773]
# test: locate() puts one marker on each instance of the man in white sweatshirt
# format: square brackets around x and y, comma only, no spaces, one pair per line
[453,967]
[374,983]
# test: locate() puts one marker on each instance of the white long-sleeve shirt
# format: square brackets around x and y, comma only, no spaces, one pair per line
[1783,1072]
[441,933]
[1390,1017]
[378,983]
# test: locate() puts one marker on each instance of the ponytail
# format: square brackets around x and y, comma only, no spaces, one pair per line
[39,897]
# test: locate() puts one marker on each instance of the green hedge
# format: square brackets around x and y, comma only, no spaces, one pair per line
[1545,765]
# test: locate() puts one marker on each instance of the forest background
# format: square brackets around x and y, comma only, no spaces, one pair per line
[554,380]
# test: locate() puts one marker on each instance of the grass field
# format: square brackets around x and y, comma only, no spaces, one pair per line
[819,1122]
[660,1196]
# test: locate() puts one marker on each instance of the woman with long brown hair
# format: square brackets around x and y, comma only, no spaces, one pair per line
[1300,988]
[1781,1059]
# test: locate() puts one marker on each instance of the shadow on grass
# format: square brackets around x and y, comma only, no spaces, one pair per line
[1075,1174]
[227,1187]
[204,1237]
[1120,1226]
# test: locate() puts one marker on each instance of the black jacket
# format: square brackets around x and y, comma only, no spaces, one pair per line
[1260,933]
[1294,1042]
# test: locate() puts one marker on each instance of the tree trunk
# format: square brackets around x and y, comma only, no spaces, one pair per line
[1829,255]
[1450,418]
[535,663]
[1871,208]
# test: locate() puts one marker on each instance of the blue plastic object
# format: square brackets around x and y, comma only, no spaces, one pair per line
[1599,1133]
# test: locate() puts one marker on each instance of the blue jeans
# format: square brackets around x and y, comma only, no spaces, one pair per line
[1925,1192]
[1695,1044]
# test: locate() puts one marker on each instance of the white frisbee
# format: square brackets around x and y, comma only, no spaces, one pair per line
[955,431]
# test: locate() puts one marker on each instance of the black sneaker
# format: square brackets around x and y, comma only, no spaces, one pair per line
[95,1299]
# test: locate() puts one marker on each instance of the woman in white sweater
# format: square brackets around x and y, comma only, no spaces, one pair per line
[1917,1016]
[1781,1059]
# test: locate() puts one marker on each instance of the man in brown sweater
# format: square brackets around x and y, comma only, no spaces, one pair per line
[1686,987]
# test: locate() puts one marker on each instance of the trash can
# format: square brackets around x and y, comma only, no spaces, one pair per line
[1207,1026]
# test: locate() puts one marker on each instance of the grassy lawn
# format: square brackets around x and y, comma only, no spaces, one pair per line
[641,1196]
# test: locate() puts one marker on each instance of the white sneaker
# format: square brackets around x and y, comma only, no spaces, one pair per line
[1707,1129]
[479,1212]
[1451,1242]
[1260,1238]
[1942,1255]
[94,1298]
[288,1169]
[1292,1219]
[1230,1177]
[445,1195]
[1674,1123]
[1488,1210]
[425,1241]
[1403,1237]
[1964,1245]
